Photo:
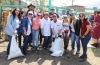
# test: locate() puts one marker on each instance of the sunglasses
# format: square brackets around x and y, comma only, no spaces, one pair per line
[38,15]
[29,14]
[81,16]
[50,17]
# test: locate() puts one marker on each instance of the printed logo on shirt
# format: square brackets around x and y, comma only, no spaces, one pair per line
[65,25]
[57,25]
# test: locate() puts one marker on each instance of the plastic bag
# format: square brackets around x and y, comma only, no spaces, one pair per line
[14,49]
[57,47]
[58,53]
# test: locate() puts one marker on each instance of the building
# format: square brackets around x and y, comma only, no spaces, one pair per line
[80,8]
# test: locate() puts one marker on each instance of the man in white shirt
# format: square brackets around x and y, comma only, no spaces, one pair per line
[27,27]
[45,29]
[56,26]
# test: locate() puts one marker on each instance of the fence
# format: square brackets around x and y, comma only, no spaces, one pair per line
[59,10]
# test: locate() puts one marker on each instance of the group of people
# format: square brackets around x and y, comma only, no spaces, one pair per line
[46,25]
[95,23]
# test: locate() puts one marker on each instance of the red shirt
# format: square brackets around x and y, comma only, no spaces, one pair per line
[84,28]
[96,28]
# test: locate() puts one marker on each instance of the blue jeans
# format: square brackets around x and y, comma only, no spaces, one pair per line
[35,37]
[73,38]
[47,41]
[84,44]
[27,39]
[8,48]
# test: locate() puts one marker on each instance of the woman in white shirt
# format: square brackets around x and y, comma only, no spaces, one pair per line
[66,31]
[75,30]
[13,22]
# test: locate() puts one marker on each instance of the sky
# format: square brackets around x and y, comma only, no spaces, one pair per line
[87,3]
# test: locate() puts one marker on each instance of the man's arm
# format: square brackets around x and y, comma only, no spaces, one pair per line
[52,28]
[24,25]
[41,26]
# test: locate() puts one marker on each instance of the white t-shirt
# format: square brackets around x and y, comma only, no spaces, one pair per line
[17,22]
[45,25]
[72,27]
[56,26]
[66,27]
[29,27]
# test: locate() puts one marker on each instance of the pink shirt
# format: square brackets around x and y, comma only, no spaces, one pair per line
[36,24]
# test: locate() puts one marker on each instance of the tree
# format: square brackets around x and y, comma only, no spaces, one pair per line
[38,2]
[7,1]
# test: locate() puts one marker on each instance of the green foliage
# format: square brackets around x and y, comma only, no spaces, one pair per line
[7,1]
[38,2]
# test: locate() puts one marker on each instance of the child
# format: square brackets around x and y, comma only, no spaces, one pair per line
[66,31]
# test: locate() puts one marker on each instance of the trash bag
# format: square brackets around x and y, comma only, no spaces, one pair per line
[58,53]
[14,49]
[57,47]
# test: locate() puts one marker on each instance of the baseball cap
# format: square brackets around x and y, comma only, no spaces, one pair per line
[39,14]
[64,16]
[72,14]
[54,15]
[30,12]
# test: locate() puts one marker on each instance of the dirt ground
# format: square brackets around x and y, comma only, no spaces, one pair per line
[43,57]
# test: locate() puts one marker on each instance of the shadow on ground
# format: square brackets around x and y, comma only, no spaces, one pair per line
[96,52]
[43,57]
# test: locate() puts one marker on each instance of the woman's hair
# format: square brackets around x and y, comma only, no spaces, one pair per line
[66,21]
[98,12]
[84,17]
[74,20]
[14,14]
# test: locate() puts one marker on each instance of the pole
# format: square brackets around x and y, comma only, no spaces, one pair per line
[50,4]
[72,2]
[19,2]
[0,20]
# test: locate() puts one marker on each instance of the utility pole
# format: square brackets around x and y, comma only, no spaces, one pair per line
[50,4]
[72,2]
[19,2]
[0,19]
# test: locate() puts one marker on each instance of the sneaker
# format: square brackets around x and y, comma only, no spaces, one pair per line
[37,49]
[66,51]
[72,50]
[77,52]
[40,44]
[30,45]
[83,56]
[82,59]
